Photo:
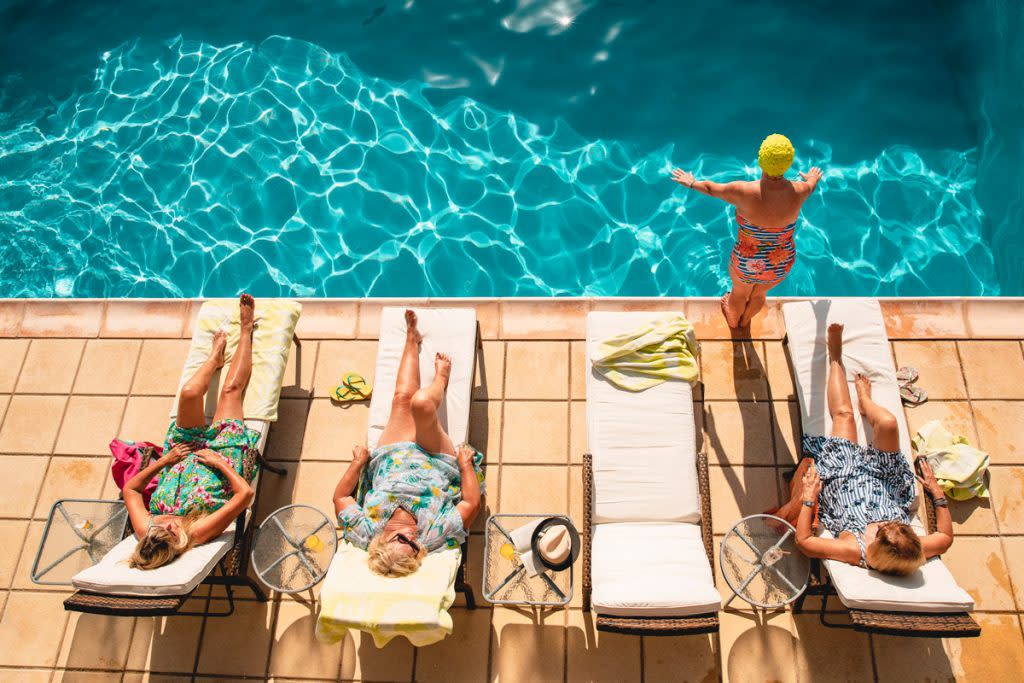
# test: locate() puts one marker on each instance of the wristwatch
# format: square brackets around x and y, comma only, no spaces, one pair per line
[940,502]
[808,503]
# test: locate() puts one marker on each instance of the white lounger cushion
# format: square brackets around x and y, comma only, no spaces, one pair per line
[112,574]
[643,443]
[932,589]
[652,569]
[865,349]
[449,330]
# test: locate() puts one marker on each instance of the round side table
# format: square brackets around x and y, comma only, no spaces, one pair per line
[293,548]
[761,563]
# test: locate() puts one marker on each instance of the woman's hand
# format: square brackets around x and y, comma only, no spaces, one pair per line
[464,454]
[211,459]
[684,178]
[812,485]
[927,479]
[812,176]
[178,452]
[360,455]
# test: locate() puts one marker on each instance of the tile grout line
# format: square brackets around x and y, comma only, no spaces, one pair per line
[995,516]
[14,388]
[275,606]
[568,431]
[103,322]
[871,653]
[131,381]
[39,493]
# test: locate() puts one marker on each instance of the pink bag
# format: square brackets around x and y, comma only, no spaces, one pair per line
[129,458]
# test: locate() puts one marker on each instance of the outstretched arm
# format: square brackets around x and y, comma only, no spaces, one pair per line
[938,541]
[344,492]
[469,506]
[727,192]
[810,180]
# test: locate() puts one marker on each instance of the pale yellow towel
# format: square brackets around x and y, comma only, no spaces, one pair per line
[665,348]
[959,467]
[414,606]
[271,344]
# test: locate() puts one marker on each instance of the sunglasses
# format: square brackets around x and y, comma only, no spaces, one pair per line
[402,538]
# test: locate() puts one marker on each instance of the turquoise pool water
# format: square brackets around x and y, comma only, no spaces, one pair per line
[497,148]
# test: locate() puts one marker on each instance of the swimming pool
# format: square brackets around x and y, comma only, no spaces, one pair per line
[498,148]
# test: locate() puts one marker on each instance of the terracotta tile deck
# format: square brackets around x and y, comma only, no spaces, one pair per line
[76,374]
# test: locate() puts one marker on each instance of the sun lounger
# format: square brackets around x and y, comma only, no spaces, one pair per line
[647,511]
[928,602]
[111,586]
[351,594]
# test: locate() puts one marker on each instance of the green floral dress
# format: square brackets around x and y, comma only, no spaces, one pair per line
[427,485]
[190,486]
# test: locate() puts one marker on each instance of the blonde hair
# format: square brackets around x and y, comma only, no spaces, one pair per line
[896,550]
[159,546]
[386,561]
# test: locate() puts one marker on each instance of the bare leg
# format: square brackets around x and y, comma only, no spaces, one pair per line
[401,426]
[229,405]
[735,302]
[193,392]
[754,304]
[840,407]
[884,428]
[425,404]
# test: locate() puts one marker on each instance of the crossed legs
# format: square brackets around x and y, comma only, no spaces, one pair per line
[885,435]
[229,405]
[413,408]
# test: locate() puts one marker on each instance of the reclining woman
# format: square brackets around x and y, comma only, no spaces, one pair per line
[421,492]
[205,471]
[864,492]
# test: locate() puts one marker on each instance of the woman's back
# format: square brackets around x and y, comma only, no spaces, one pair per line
[771,202]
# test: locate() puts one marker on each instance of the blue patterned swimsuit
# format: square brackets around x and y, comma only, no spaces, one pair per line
[860,485]
[427,485]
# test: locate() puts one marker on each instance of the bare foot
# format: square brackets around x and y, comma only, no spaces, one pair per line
[835,342]
[246,311]
[863,386]
[220,342]
[411,322]
[730,318]
[443,367]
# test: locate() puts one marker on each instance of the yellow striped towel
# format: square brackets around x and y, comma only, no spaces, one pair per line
[959,467]
[664,348]
[414,606]
[271,344]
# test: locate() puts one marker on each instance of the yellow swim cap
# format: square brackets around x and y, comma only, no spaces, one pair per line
[776,154]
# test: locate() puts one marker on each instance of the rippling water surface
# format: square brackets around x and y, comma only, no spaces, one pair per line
[498,148]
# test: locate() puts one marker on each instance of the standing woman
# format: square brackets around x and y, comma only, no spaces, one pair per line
[766,212]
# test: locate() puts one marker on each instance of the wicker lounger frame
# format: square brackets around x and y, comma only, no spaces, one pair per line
[911,624]
[650,626]
[232,571]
